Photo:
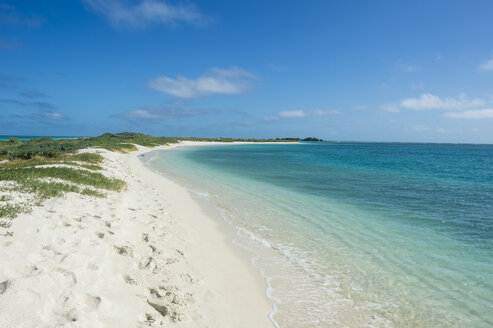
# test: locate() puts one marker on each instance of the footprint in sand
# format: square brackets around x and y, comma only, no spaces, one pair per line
[125,250]
[149,319]
[68,316]
[93,302]
[129,280]
[162,309]
[4,286]
[147,262]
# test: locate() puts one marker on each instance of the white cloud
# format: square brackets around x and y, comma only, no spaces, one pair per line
[292,113]
[145,12]
[321,112]
[429,102]
[486,65]
[390,107]
[215,81]
[302,113]
[48,116]
[140,113]
[471,114]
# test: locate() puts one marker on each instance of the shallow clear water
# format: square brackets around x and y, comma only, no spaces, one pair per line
[357,234]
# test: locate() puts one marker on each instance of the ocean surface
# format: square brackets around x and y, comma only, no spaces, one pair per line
[356,234]
[24,138]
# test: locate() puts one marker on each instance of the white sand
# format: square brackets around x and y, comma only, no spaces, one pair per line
[148,256]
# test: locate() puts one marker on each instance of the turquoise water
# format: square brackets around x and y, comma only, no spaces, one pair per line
[24,138]
[357,234]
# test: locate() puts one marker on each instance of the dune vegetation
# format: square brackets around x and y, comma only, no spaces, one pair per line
[35,170]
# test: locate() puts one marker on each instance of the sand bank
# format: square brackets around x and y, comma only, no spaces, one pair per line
[147,256]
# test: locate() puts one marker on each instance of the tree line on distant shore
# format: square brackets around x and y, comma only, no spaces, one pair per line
[124,142]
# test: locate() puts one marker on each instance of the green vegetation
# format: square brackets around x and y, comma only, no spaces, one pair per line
[49,148]
[127,140]
[40,169]
[12,210]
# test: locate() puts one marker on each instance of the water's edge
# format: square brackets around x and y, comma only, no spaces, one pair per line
[229,230]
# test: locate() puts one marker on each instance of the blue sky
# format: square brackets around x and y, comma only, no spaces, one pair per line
[344,70]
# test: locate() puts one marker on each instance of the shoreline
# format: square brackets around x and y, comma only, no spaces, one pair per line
[143,257]
[225,227]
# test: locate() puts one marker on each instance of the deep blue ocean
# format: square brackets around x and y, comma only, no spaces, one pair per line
[357,234]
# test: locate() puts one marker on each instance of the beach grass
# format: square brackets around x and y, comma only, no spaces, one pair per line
[36,170]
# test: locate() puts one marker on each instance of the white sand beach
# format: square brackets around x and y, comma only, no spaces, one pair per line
[145,257]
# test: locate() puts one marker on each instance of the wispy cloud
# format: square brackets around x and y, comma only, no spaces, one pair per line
[31,99]
[486,66]
[144,13]
[36,104]
[471,114]
[292,113]
[48,116]
[8,81]
[302,113]
[32,94]
[233,80]
[165,112]
[430,102]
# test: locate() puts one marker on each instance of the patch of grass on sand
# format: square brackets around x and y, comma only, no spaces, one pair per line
[85,157]
[41,183]
[28,179]
[44,168]
[12,210]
